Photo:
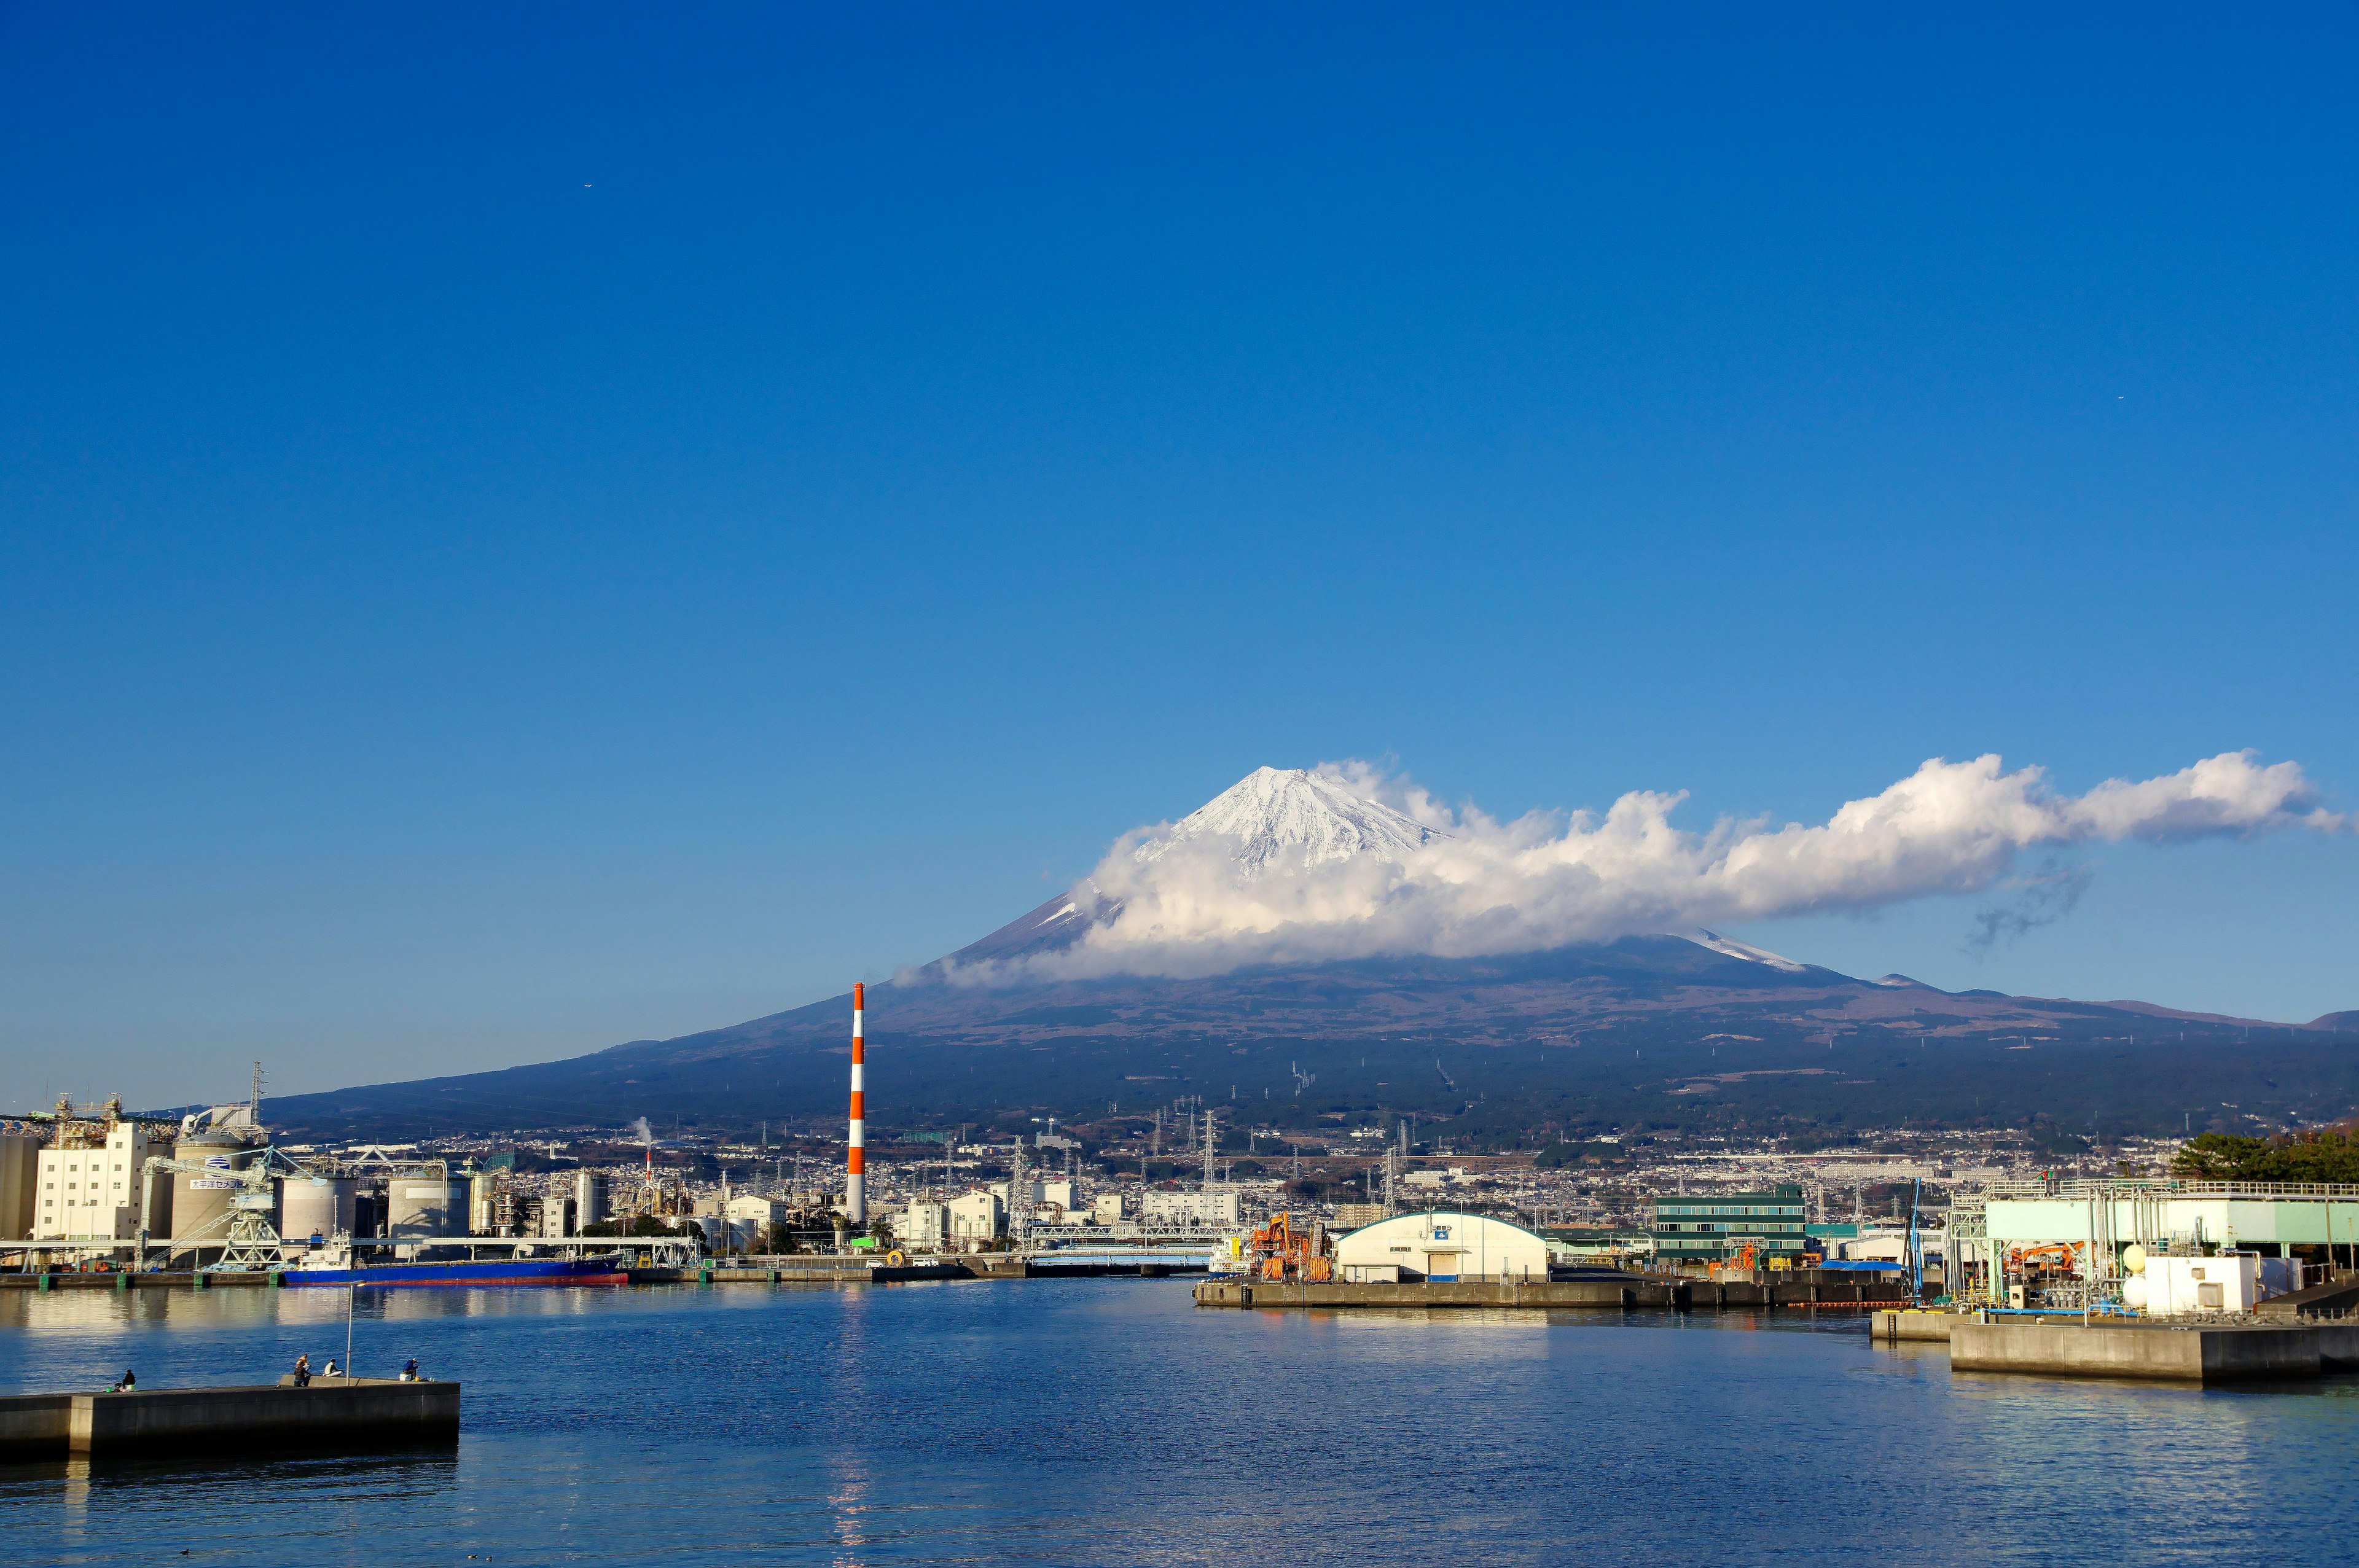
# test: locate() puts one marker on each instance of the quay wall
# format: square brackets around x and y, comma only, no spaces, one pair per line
[1681,1296]
[2229,1352]
[330,1412]
[34,1426]
[1931,1326]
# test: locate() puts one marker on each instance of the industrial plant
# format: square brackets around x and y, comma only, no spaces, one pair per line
[1944,1225]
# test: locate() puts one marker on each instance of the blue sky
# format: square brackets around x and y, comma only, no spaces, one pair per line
[528,530]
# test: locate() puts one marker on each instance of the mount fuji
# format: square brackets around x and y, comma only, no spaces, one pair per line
[1679,1028]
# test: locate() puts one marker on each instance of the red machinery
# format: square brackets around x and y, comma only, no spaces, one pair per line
[1281,1252]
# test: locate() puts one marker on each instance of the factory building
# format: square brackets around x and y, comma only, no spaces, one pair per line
[95,1192]
[2317,1223]
[1191,1208]
[20,1185]
[1705,1228]
[1441,1244]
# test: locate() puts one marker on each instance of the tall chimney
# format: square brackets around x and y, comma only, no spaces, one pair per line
[855,1177]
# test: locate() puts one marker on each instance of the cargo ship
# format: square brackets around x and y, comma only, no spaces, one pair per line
[335,1264]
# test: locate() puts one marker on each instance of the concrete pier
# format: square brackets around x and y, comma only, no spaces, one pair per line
[1931,1326]
[337,1414]
[2178,1353]
[1626,1291]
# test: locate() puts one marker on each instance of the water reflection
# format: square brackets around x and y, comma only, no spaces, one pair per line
[1112,1422]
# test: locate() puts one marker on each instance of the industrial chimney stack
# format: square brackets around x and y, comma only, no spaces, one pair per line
[856,1178]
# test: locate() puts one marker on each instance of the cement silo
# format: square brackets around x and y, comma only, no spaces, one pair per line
[316,1206]
[201,1203]
[589,1199]
[423,1207]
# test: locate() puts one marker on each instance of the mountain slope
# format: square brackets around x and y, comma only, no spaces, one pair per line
[1694,1030]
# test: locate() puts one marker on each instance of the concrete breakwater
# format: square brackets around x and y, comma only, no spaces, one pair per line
[331,1413]
[2162,1352]
[1627,1290]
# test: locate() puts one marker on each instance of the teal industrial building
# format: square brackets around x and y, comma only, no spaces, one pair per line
[1705,1228]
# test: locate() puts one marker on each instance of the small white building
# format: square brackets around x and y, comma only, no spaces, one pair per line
[922,1225]
[1108,1207]
[1441,1244]
[2178,1286]
[977,1217]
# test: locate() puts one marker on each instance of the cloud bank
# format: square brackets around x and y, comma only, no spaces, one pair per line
[1165,902]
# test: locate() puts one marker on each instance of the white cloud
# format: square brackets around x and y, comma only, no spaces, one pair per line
[1548,880]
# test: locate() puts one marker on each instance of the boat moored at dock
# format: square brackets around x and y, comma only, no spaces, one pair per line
[339,1263]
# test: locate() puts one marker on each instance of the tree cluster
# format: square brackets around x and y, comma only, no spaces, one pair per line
[2331,1155]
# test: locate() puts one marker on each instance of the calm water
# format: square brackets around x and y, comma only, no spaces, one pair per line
[1087,1421]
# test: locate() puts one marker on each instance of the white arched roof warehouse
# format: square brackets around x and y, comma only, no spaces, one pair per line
[1441,1244]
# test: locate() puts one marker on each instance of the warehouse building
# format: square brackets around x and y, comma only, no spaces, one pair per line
[1441,1244]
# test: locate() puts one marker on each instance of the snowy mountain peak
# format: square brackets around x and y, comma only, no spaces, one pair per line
[1744,950]
[1294,815]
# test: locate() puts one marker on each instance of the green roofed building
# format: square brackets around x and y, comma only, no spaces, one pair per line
[1707,1227]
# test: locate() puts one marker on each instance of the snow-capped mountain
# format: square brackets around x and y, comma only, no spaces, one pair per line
[1291,816]
[1271,819]
[1547,1030]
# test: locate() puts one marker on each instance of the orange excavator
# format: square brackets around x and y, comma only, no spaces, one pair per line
[1282,1252]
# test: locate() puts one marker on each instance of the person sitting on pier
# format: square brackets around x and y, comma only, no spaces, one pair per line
[128,1383]
[303,1370]
[332,1369]
[409,1370]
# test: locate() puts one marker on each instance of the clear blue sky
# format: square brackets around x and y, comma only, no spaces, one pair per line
[522,529]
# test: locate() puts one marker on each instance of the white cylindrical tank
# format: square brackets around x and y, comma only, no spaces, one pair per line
[201,1203]
[589,1199]
[483,1196]
[316,1206]
[426,1207]
[2134,1294]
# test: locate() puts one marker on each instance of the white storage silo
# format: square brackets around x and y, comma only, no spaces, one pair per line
[316,1206]
[201,1202]
[422,1208]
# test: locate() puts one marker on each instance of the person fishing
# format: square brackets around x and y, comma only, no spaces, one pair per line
[409,1370]
[128,1383]
[303,1370]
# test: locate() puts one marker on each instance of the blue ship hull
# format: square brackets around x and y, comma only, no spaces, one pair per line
[607,1270]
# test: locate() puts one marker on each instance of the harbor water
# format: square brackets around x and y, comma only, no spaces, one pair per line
[1112,1422]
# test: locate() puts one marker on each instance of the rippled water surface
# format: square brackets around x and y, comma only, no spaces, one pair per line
[1086,1421]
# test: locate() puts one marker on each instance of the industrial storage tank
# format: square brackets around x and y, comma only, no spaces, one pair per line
[589,1199]
[201,1203]
[316,1206]
[423,1207]
[482,1203]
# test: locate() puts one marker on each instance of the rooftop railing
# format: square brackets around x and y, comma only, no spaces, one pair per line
[2084,1188]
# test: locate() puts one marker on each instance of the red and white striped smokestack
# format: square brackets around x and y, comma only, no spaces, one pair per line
[855,1173]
